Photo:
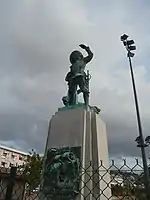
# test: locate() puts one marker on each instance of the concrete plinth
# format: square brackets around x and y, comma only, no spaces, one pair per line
[83,129]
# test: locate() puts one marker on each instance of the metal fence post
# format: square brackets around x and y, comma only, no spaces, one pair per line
[11,182]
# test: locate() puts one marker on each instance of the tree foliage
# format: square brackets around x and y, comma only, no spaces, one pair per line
[32,169]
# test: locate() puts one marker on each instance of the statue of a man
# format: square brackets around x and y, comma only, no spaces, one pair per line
[77,76]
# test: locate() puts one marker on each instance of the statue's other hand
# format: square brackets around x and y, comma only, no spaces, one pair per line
[83,46]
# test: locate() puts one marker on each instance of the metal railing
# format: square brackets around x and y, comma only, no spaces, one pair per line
[115,182]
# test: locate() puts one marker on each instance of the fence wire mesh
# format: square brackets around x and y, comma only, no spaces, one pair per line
[116,182]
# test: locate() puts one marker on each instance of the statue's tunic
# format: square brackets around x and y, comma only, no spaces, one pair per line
[78,68]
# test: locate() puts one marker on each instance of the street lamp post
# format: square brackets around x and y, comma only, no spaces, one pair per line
[140,139]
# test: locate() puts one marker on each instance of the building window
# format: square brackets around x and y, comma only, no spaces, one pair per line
[4,154]
[10,164]
[13,156]
[20,158]
[3,164]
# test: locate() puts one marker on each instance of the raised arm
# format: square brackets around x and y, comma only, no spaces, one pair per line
[90,54]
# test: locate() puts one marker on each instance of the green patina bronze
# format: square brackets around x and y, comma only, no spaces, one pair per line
[77,77]
[61,176]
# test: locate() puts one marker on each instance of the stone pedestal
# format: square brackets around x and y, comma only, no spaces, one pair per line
[85,132]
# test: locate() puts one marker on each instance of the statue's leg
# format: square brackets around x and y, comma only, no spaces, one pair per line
[72,93]
[84,89]
[86,97]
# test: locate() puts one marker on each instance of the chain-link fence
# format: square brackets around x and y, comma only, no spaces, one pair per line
[115,182]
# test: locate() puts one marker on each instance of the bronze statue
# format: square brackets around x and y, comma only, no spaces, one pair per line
[77,76]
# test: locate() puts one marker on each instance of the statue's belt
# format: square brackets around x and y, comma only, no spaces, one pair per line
[77,75]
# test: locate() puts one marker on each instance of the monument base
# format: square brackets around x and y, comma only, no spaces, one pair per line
[76,156]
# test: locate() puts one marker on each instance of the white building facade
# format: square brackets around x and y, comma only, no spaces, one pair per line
[11,157]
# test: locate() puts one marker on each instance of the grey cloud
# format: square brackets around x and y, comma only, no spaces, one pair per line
[122,137]
[36,40]
[27,129]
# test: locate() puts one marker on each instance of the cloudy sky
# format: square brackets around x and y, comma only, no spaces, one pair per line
[36,37]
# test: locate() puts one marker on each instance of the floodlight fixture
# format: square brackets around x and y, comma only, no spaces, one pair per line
[138,139]
[131,48]
[130,42]
[145,144]
[129,54]
[124,37]
[147,140]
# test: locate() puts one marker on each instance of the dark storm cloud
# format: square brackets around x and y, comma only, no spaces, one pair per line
[23,127]
[122,138]
[36,38]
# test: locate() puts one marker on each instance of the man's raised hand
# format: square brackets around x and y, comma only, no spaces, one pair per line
[83,46]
